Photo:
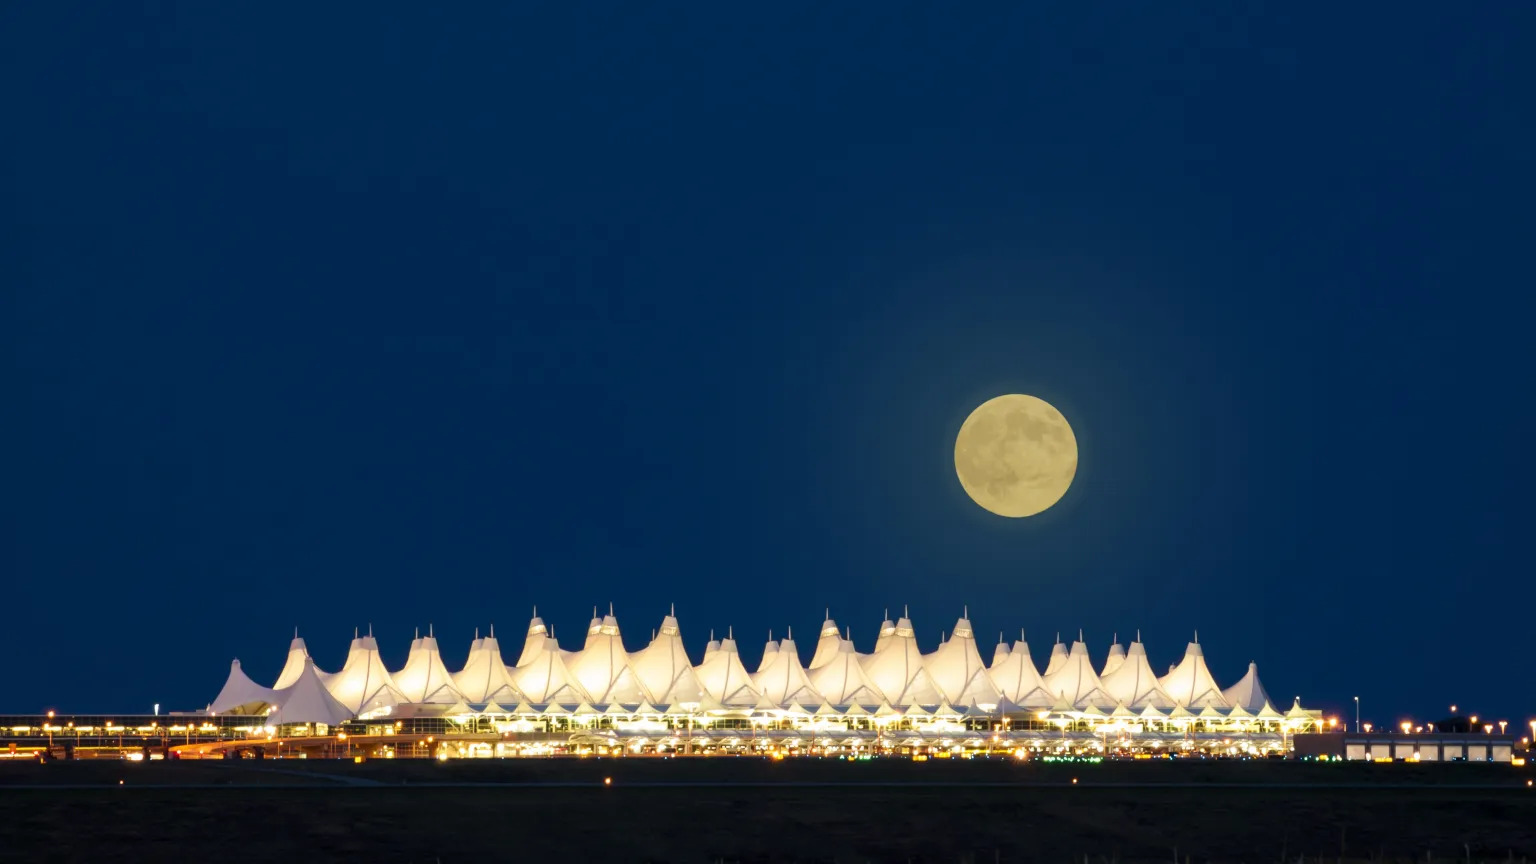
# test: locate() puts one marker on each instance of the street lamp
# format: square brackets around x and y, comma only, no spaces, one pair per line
[1357,715]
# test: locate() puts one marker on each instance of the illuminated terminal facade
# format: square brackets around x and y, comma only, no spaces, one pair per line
[605,699]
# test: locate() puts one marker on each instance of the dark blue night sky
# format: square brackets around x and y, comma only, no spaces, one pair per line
[434,314]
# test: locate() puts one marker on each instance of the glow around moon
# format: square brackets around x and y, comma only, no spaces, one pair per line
[1016,455]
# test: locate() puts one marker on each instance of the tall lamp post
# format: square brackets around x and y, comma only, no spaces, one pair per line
[1357,715]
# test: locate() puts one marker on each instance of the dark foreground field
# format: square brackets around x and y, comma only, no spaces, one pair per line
[749,810]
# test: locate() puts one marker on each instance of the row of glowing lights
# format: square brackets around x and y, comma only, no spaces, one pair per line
[109,726]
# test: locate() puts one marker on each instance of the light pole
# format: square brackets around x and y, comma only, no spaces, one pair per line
[1357,715]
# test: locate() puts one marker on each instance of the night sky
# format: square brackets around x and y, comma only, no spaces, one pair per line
[414,315]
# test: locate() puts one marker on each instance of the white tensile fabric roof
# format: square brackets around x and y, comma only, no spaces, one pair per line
[724,679]
[664,670]
[887,630]
[484,677]
[425,680]
[363,684]
[898,670]
[1000,652]
[535,640]
[1190,683]
[1018,679]
[1057,659]
[1075,682]
[841,680]
[781,679]
[241,695]
[957,670]
[1134,684]
[298,655]
[602,666]
[1248,693]
[602,675]
[827,645]
[307,700]
[1115,658]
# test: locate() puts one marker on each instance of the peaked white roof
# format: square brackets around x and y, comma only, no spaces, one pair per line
[241,695]
[664,670]
[1058,657]
[1134,683]
[307,700]
[298,655]
[484,677]
[828,644]
[887,630]
[545,678]
[363,684]
[957,670]
[999,653]
[1248,693]
[897,668]
[602,666]
[782,680]
[1115,658]
[425,680]
[1075,682]
[724,679]
[1191,684]
[842,680]
[535,641]
[1019,681]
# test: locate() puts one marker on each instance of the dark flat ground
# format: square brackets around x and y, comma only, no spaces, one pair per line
[751,810]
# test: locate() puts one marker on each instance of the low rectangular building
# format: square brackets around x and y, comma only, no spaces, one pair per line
[1425,747]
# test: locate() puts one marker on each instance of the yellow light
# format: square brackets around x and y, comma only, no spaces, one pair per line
[341,736]
[1406,726]
[607,781]
[1474,719]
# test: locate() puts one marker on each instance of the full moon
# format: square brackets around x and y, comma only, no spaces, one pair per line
[1016,455]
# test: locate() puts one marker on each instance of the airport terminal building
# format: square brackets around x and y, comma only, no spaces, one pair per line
[602,698]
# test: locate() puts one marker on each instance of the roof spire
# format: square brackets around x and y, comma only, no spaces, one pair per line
[904,612]
[594,611]
[295,631]
[999,637]
[711,634]
[493,631]
[966,612]
[370,629]
[1021,634]
[849,629]
[672,610]
[1115,640]
[1058,637]
[429,630]
[1079,634]
[829,613]
[789,633]
[1138,634]
[730,631]
[653,634]
[610,607]
[354,632]
[477,633]
[535,611]
[887,617]
[418,632]
[1197,637]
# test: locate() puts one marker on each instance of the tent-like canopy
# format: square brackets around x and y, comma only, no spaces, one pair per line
[957,670]
[363,684]
[663,667]
[897,668]
[887,630]
[1190,683]
[1018,679]
[1058,657]
[1134,683]
[535,639]
[724,679]
[484,677]
[842,680]
[602,666]
[546,678]
[827,644]
[1116,657]
[425,680]
[782,680]
[1248,693]
[241,695]
[1075,682]
[298,655]
[307,700]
